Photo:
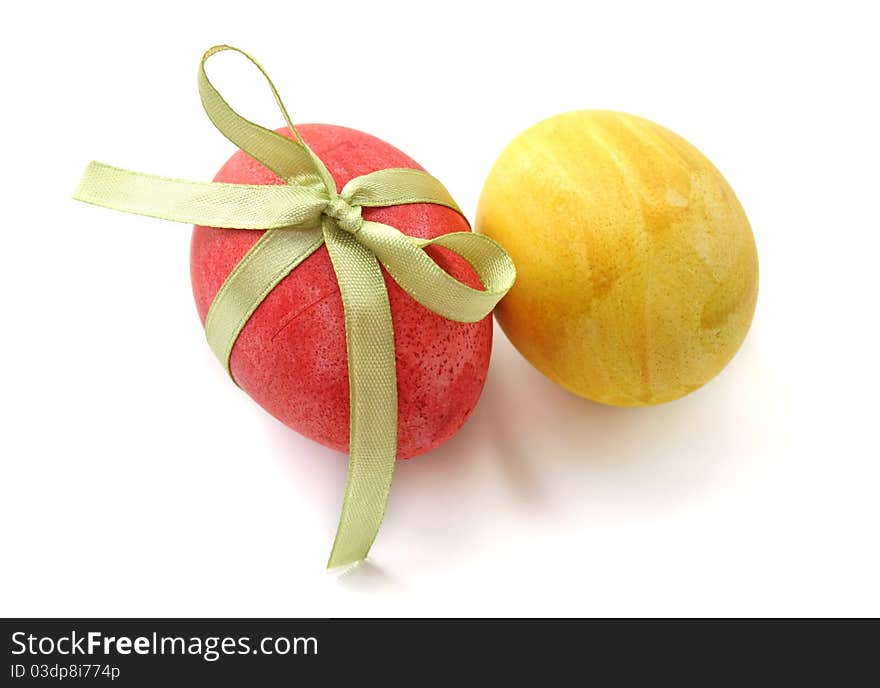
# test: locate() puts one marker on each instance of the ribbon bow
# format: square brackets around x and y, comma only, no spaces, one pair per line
[299,217]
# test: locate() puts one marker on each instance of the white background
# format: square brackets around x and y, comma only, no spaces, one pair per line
[137,480]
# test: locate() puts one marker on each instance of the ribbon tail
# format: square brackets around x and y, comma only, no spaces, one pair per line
[372,391]
[233,206]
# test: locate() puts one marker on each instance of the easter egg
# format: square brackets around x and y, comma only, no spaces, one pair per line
[637,272]
[291,355]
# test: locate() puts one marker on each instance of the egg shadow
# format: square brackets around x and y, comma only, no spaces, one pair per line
[535,456]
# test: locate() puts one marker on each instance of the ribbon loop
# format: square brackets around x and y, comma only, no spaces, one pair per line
[429,284]
[302,215]
[290,159]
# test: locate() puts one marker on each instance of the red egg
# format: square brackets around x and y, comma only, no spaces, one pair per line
[291,357]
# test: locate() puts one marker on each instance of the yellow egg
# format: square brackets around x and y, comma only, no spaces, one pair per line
[637,272]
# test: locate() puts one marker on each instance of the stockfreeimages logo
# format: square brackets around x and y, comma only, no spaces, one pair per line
[210,648]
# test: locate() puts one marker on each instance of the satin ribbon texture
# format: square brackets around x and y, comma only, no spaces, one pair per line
[299,217]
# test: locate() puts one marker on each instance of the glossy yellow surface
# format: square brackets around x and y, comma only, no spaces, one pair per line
[637,272]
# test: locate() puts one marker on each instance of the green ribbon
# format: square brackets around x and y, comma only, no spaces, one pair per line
[299,217]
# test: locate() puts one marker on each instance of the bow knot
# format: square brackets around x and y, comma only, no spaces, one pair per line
[347,216]
[297,218]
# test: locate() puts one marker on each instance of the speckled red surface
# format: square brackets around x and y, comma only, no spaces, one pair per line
[291,355]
